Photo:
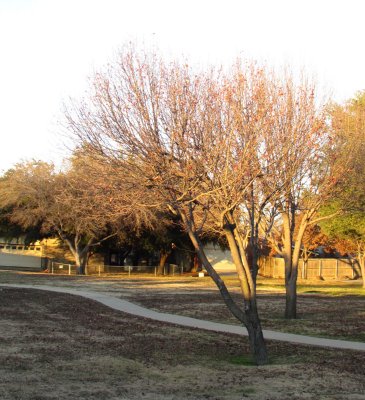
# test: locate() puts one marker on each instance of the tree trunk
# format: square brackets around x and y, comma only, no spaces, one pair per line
[291,275]
[163,257]
[255,336]
[196,264]
[81,257]
[362,269]
[249,317]
[291,258]
[291,299]
[248,288]
[305,262]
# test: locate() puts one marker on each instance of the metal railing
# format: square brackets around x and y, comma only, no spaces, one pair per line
[55,267]
[62,268]
[170,269]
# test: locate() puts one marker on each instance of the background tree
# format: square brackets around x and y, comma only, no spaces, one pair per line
[305,174]
[348,226]
[10,230]
[165,243]
[348,127]
[315,242]
[72,205]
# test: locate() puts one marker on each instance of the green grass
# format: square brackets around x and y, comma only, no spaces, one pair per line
[338,288]
[242,360]
[332,290]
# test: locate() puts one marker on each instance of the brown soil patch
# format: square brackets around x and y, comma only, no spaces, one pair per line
[57,346]
[335,317]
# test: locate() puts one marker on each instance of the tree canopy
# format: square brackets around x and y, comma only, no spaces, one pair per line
[242,154]
[348,127]
[223,150]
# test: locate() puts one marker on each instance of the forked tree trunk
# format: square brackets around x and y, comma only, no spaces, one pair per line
[291,259]
[81,254]
[248,288]
[249,316]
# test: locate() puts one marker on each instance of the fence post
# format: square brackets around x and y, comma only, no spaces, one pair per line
[99,269]
[303,269]
[320,267]
[129,270]
[52,267]
[336,271]
[69,269]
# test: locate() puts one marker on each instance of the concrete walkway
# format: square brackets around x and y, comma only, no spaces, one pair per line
[130,308]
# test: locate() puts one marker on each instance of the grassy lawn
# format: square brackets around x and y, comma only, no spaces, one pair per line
[57,346]
[330,287]
[324,310]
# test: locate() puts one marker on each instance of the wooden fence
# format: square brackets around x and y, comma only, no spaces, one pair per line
[314,268]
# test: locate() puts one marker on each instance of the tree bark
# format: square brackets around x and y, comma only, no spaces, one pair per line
[361,259]
[291,259]
[81,258]
[248,288]
[249,317]
[81,255]
[362,268]
[255,336]
[163,257]
[291,299]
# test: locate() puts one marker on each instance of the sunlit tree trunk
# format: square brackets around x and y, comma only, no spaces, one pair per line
[80,253]
[291,253]
[249,316]
[248,288]
[361,259]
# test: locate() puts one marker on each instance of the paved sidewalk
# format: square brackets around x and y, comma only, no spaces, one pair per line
[130,308]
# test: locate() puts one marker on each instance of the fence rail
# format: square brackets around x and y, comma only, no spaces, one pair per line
[71,269]
[169,269]
[62,268]
[322,268]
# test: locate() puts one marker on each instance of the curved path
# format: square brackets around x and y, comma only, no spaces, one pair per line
[130,308]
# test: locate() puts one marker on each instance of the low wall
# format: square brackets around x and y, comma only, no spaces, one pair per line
[20,261]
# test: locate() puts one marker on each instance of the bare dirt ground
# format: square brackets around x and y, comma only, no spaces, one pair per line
[340,318]
[57,346]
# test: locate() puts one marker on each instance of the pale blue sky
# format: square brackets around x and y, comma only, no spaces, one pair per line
[49,48]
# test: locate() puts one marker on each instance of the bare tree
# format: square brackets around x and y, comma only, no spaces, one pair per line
[305,174]
[173,134]
[291,163]
[227,152]
[348,129]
